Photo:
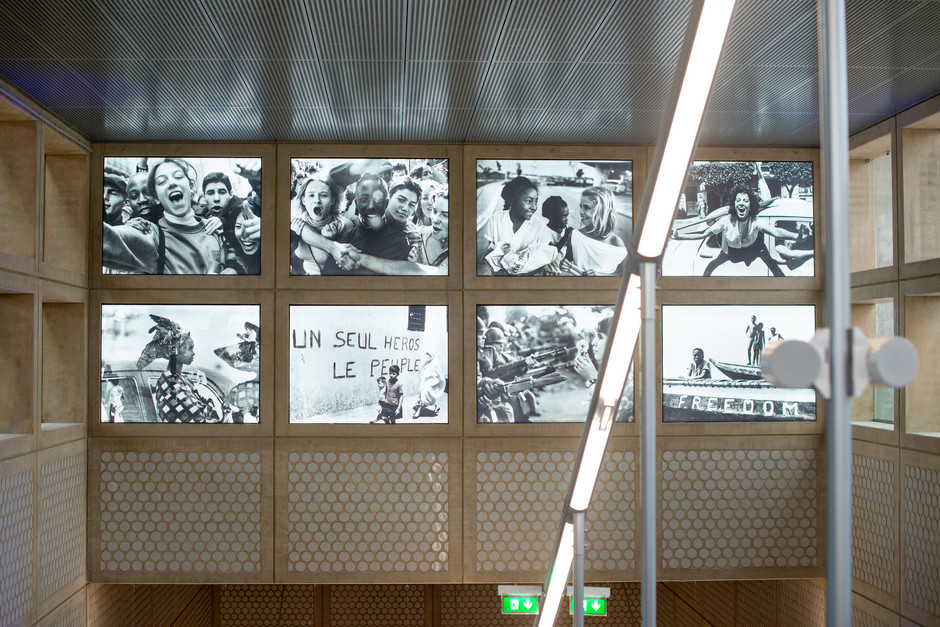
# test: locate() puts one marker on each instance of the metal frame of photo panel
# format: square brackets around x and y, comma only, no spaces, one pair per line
[264,300]
[515,153]
[748,299]
[365,298]
[288,152]
[755,282]
[265,152]
[525,298]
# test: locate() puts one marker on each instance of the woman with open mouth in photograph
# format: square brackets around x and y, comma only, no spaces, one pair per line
[179,243]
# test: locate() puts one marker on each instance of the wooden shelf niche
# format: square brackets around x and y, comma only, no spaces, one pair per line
[17,370]
[871,205]
[875,407]
[18,187]
[922,396]
[64,370]
[921,179]
[65,208]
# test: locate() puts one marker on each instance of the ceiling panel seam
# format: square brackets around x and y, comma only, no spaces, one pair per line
[489,68]
[571,69]
[320,71]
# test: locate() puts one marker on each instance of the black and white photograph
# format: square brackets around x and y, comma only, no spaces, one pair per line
[744,219]
[369,216]
[368,364]
[711,363]
[539,363]
[180,363]
[540,217]
[181,215]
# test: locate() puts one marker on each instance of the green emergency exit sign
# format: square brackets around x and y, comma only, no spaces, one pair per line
[592,607]
[520,605]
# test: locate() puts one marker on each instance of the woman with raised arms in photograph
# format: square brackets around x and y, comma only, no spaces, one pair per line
[509,241]
[178,243]
[740,231]
[595,249]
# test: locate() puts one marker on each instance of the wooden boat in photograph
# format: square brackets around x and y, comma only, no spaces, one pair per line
[734,400]
[738,372]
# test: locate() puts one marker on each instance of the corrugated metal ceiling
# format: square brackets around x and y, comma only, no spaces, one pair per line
[565,71]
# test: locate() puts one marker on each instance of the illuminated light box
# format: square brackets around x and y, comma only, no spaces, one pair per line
[181,215]
[538,363]
[711,363]
[387,216]
[540,217]
[180,363]
[356,364]
[744,218]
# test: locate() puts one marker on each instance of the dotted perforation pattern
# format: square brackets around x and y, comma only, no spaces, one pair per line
[377,606]
[16,545]
[519,497]
[352,512]
[71,614]
[874,523]
[251,605]
[61,522]
[922,539]
[180,512]
[739,509]
[611,525]
[756,603]
[105,602]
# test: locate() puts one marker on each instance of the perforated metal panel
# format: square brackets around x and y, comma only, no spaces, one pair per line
[62,516]
[16,539]
[875,520]
[802,604]
[920,481]
[378,605]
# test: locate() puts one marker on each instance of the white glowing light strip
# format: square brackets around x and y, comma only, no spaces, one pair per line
[558,578]
[591,460]
[696,84]
[622,345]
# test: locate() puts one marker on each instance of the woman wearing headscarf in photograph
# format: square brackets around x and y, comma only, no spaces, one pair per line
[178,396]
[595,249]
[178,243]
[315,213]
[510,241]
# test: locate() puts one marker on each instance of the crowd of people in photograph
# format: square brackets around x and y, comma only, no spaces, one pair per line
[369,216]
[519,362]
[515,240]
[157,220]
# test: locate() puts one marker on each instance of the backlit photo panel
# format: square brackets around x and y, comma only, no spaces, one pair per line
[539,363]
[711,363]
[540,217]
[357,364]
[180,363]
[181,215]
[387,216]
[744,218]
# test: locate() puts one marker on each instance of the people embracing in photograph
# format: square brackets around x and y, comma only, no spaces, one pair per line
[367,216]
[166,230]
[514,239]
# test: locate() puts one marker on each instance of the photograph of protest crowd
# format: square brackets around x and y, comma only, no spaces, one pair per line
[175,215]
[744,218]
[711,363]
[538,363]
[355,364]
[552,217]
[369,216]
[180,363]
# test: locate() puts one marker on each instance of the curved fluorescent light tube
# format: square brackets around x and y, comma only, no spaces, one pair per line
[558,577]
[696,84]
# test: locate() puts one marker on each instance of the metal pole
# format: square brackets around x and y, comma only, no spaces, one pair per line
[648,444]
[578,568]
[835,160]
